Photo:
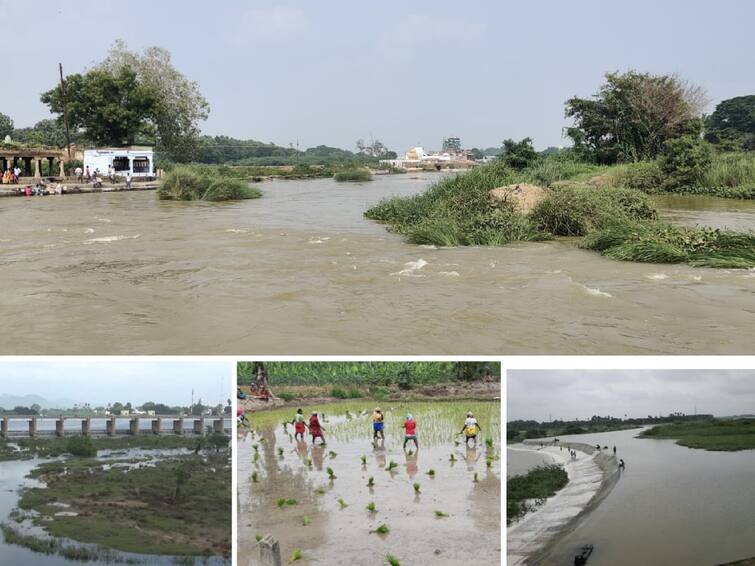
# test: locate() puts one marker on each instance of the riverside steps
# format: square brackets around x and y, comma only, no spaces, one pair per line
[33,426]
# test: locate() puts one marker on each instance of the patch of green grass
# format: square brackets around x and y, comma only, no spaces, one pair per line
[371,507]
[382,529]
[539,483]
[340,393]
[716,434]
[656,242]
[186,183]
[392,560]
[354,174]
[296,555]
[306,520]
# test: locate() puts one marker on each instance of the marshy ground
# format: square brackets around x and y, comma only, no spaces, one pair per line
[285,490]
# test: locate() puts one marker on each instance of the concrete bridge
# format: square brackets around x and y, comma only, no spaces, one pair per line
[156,425]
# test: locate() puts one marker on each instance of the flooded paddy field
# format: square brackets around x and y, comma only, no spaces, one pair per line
[126,273]
[671,505]
[17,477]
[340,527]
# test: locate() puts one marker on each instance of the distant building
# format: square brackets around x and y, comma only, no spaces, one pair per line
[452,145]
[139,161]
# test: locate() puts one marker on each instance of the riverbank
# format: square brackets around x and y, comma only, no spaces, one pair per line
[717,435]
[591,477]
[296,395]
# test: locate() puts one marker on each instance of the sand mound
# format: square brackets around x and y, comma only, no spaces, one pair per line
[524,197]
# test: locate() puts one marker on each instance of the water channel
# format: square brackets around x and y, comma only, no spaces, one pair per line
[300,271]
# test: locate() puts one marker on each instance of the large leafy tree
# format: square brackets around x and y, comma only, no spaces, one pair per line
[6,126]
[519,155]
[114,108]
[180,106]
[733,123]
[632,115]
[48,132]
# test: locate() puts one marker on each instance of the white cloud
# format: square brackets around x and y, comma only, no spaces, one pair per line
[270,25]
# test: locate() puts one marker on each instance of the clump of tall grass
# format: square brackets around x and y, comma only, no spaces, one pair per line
[185,183]
[575,211]
[731,170]
[655,242]
[355,174]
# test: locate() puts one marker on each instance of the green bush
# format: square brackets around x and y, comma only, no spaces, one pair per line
[575,211]
[685,161]
[190,183]
[339,393]
[353,175]
[286,395]
[519,155]
[731,170]
[81,446]
[643,175]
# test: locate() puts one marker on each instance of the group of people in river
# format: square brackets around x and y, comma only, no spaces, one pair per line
[301,424]
[11,176]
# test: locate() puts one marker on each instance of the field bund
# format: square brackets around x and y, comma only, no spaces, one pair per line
[591,477]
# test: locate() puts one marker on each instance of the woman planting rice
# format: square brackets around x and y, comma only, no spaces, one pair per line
[470,429]
[377,424]
[315,429]
[411,431]
[299,424]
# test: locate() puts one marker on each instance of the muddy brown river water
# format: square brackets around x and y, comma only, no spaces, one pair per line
[300,271]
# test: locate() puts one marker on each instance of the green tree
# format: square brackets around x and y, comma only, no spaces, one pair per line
[733,123]
[471,371]
[218,441]
[180,106]
[114,108]
[519,155]
[6,126]
[685,161]
[632,115]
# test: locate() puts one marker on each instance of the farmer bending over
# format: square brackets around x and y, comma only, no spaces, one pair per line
[411,431]
[470,429]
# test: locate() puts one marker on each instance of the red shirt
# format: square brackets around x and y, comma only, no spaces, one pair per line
[411,427]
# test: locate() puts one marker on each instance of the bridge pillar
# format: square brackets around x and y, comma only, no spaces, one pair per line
[217,426]
[269,552]
[156,425]
[33,427]
[4,428]
[60,427]
[133,427]
[199,426]
[178,426]
[110,426]
[85,426]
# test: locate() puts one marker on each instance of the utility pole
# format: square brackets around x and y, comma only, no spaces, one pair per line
[65,109]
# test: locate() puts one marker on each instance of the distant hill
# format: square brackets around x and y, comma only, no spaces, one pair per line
[10,401]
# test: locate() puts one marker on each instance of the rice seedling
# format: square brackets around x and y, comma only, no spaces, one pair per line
[382,529]
[370,481]
[342,503]
[371,507]
[452,458]
[440,514]
[280,452]
[364,460]
[256,458]
[392,560]
[431,473]
[391,465]
[489,443]
[255,477]
[306,520]
[331,474]
[320,491]
[291,502]
[282,502]
[258,537]
[488,463]
[416,487]
[256,447]
[309,462]
[296,555]
[475,479]
[332,454]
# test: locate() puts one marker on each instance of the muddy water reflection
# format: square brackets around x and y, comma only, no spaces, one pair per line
[341,536]
[673,505]
[300,271]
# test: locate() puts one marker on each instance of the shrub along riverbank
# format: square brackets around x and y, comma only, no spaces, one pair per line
[524,492]
[715,434]
[614,217]
[189,183]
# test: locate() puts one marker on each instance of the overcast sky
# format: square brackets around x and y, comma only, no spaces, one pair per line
[100,381]
[567,395]
[407,73]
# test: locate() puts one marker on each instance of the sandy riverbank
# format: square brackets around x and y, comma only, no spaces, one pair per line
[591,476]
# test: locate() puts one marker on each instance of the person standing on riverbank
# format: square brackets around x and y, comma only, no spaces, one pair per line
[128,180]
